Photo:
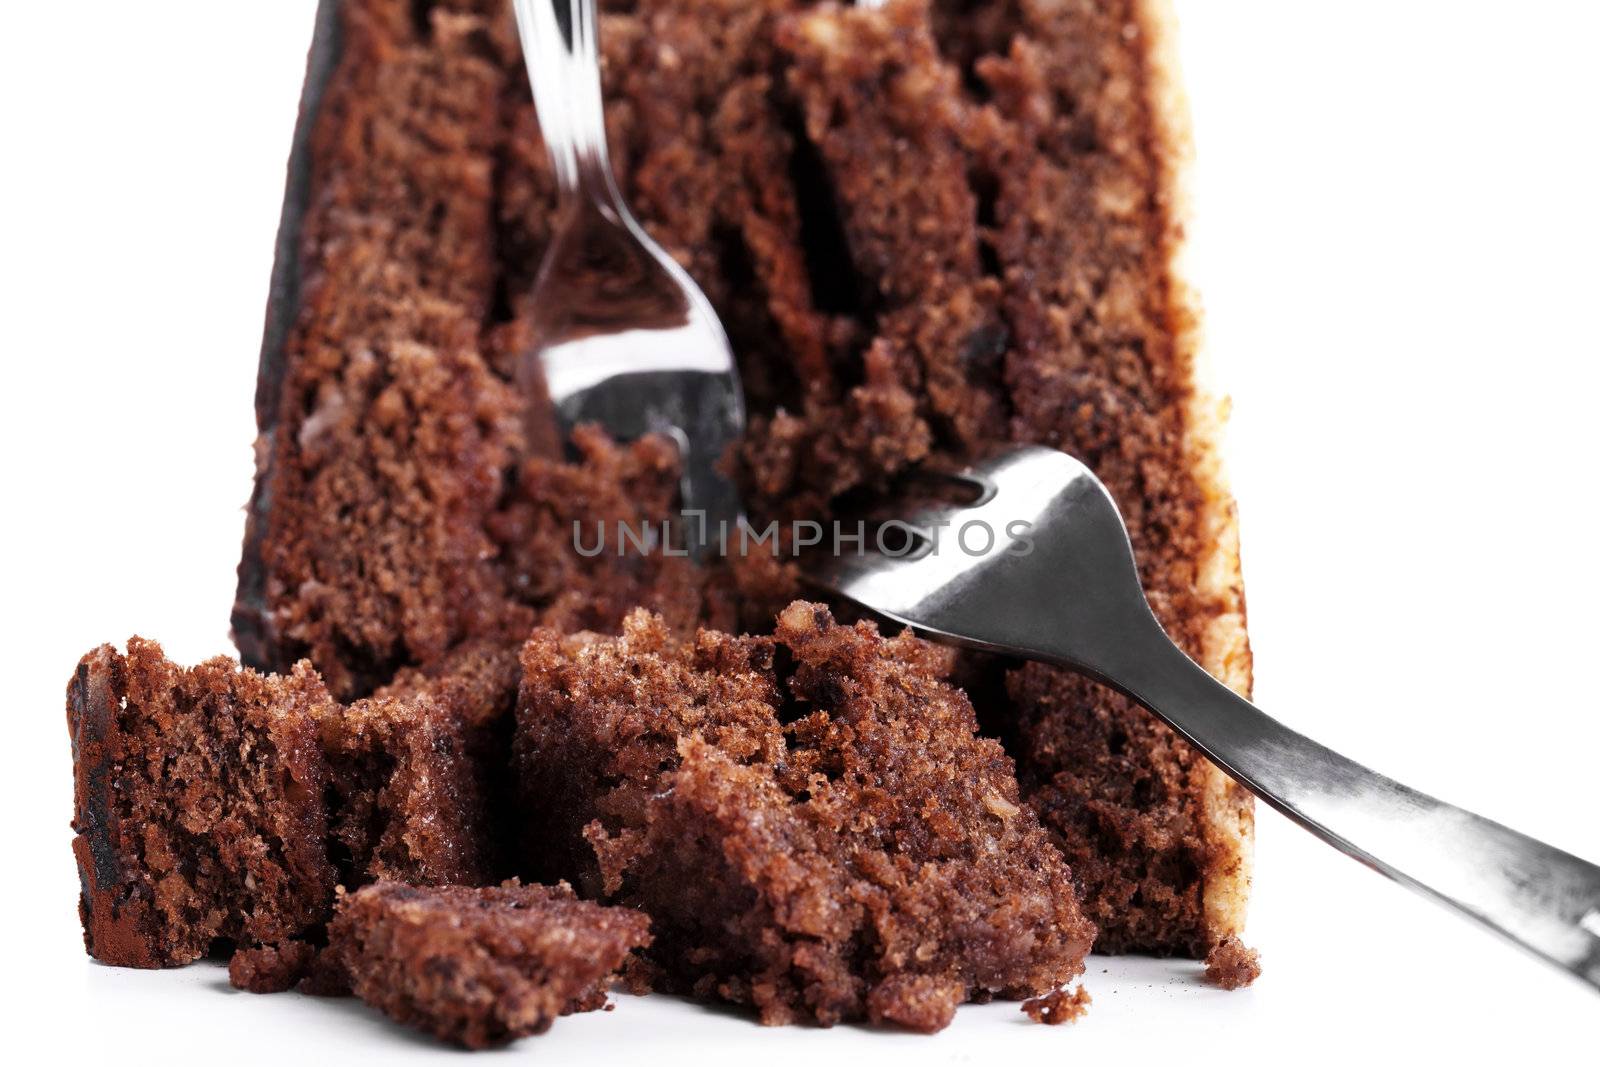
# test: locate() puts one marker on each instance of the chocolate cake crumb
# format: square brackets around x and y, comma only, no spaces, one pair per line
[217,804]
[1231,965]
[476,680]
[810,819]
[481,967]
[1058,1006]
[930,230]
[271,968]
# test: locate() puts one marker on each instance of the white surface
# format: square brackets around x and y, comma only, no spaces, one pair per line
[1398,232]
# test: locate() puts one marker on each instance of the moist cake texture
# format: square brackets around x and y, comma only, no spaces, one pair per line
[930,230]
[481,967]
[199,811]
[408,796]
[271,968]
[810,819]
[215,804]
[1232,965]
[477,685]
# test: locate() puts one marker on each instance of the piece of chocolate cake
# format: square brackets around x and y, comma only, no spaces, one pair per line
[810,819]
[1058,1007]
[199,808]
[271,968]
[481,967]
[1053,121]
[215,803]
[400,507]
[1232,965]
[932,229]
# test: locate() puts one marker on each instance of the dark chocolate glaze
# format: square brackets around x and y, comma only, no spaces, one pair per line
[116,923]
[252,624]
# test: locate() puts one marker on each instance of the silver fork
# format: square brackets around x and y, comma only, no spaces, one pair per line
[1063,589]
[622,336]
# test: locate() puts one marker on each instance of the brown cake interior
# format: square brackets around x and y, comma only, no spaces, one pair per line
[408,801]
[929,231]
[199,809]
[217,807]
[809,819]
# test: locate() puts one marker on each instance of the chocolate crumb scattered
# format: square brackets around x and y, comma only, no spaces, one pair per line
[1231,965]
[271,968]
[1059,1006]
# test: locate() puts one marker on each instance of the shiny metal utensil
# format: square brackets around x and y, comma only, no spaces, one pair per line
[1056,582]
[623,336]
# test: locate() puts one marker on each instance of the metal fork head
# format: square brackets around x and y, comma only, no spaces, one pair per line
[624,339]
[622,336]
[1042,540]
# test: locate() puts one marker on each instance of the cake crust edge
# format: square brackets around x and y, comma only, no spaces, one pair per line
[1229,809]
[118,932]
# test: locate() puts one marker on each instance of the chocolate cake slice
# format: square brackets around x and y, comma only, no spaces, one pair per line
[199,808]
[809,819]
[480,967]
[931,230]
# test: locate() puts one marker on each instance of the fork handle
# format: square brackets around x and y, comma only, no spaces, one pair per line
[1543,898]
[561,48]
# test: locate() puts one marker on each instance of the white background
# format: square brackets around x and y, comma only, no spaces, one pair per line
[1397,242]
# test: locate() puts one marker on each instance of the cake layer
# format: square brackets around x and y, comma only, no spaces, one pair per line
[930,230]
[809,819]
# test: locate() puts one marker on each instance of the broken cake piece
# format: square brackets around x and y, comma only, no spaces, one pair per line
[271,968]
[1231,964]
[481,967]
[1057,1007]
[476,683]
[216,803]
[810,819]
[198,805]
